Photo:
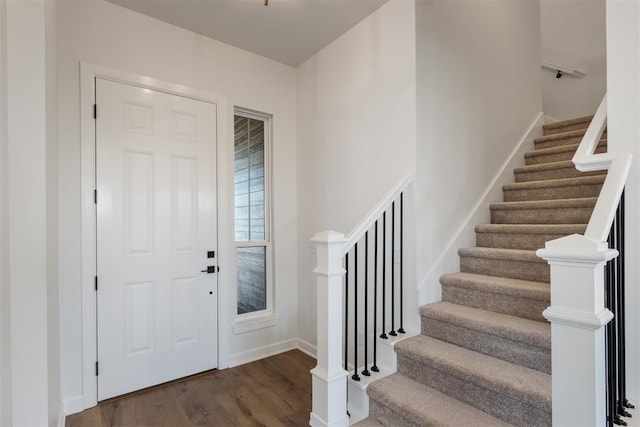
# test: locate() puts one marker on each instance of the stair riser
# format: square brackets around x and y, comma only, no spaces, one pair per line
[561,142]
[567,128]
[570,140]
[527,308]
[387,417]
[502,406]
[534,271]
[541,216]
[495,346]
[514,240]
[528,176]
[538,159]
[552,193]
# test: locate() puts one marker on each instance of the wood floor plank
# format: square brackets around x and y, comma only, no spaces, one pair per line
[275,391]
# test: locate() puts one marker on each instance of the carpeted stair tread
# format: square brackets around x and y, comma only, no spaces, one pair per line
[558,182]
[501,254]
[512,263]
[555,211]
[514,328]
[412,403]
[559,139]
[558,153]
[499,285]
[522,298]
[563,229]
[561,126]
[560,188]
[554,170]
[524,384]
[583,202]
[523,236]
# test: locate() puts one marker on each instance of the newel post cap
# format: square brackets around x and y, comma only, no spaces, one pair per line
[329,237]
[576,249]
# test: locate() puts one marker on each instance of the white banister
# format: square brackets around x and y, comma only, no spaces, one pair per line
[577,312]
[358,231]
[329,378]
[617,165]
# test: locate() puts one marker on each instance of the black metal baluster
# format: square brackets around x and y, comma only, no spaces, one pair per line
[610,391]
[374,368]
[612,344]
[355,375]
[383,335]
[401,330]
[392,332]
[365,371]
[346,312]
[625,402]
[620,315]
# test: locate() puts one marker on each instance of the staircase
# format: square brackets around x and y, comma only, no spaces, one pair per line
[484,355]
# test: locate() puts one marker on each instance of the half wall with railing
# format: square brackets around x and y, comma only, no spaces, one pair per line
[587,292]
[360,295]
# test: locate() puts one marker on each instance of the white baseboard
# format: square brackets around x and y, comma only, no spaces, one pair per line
[307,348]
[548,119]
[62,419]
[447,261]
[262,352]
[73,405]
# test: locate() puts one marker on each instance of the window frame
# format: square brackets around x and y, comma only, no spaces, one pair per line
[246,322]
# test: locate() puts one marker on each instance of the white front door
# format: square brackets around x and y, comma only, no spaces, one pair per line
[156,232]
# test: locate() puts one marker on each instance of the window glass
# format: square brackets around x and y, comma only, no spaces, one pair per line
[250,209]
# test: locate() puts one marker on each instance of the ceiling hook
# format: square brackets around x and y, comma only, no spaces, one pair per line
[557,75]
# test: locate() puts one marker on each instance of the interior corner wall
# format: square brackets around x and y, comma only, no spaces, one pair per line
[5,319]
[108,35]
[623,133]
[27,211]
[53,303]
[573,34]
[478,91]
[356,133]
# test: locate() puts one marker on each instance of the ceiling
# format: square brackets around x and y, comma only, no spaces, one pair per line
[287,31]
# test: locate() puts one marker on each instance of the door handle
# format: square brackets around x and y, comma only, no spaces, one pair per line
[210,269]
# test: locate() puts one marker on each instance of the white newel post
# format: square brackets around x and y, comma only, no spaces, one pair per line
[577,315]
[329,385]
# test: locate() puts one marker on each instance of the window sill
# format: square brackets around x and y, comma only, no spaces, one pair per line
[251,324]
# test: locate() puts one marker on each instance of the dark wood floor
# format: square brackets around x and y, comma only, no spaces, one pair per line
[271,392]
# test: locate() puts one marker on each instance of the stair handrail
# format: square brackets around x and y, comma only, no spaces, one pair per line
[329,377]
[578,307]
[616,163]
[369,219]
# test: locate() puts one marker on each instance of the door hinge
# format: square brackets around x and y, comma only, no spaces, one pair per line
[95,197]
[95,111]
[96,368]
[96,283]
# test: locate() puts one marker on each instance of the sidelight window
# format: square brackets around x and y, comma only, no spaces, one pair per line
[251,212]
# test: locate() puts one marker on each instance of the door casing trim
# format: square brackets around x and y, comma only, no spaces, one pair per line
[88,73]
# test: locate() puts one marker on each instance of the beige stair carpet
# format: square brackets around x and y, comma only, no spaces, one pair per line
[484,355]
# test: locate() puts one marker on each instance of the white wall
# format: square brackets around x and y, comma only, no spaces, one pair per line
[478,90]
[356,133]
[573,34]
[105,34]
[623,126]
[51,154]
[27,139]
[5,319]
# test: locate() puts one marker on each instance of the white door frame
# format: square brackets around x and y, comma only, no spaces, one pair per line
[88,74]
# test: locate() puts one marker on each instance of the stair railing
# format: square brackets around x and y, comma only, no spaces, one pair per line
[582,356]
[357,303]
